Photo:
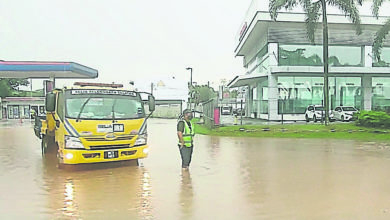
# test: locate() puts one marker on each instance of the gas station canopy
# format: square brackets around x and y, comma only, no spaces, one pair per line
[37,69]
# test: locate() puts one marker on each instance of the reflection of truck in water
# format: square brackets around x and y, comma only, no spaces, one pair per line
[94,122]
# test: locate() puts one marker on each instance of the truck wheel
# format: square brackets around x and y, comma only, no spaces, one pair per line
[307,118]
[44,145]
[314,118]
[342,118]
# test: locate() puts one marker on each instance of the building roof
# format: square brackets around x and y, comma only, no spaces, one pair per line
[38,69]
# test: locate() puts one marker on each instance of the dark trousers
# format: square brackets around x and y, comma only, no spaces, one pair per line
[186,155]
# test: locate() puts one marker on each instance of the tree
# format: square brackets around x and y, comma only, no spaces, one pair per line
[4,88]
[201,94]
[15,83]
[8,85]
[312,12]
[381,34]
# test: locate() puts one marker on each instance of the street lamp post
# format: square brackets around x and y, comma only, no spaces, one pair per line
[190,68]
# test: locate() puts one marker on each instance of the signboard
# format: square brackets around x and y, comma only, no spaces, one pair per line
[243,29]
[102,92]
[48,85]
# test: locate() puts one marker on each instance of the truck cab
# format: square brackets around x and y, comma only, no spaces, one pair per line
[93,122]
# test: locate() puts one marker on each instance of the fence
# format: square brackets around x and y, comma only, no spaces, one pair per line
[208,112]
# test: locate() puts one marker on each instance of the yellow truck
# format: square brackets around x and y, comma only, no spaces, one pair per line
[94,122]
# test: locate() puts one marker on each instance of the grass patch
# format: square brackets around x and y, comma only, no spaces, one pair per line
[333,131]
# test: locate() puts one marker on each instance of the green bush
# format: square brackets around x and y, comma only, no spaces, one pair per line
[373,119]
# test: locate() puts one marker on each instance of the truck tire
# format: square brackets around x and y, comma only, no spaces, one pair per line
[44,145]
[314,118]
[307,118]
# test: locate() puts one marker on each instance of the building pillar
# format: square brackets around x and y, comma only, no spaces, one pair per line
[273,96]
[367,92]
[368,56]
[338,87]
[259,98]
[273,93]
[249,101]
[273,54]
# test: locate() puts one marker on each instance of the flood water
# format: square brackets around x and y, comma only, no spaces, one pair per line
[229,178]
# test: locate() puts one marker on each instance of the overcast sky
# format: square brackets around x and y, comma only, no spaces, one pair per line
[127,39]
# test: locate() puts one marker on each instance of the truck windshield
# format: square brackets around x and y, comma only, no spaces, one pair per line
[104,107]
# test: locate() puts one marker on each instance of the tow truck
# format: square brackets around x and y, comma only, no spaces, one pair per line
[93,123]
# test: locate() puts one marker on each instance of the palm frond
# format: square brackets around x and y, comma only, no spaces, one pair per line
[312,12]
[380,36]
[276,5]
[348,7]
[376,4]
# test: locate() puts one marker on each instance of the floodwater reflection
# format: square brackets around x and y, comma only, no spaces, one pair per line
[186,194]
[96,191]
[229,178]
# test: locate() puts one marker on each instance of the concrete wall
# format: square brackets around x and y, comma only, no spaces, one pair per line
[166,110]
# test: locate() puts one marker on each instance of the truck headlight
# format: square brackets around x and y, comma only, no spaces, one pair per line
[141,140]
[73,143]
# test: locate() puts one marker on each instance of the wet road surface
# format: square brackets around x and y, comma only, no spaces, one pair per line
[229,178]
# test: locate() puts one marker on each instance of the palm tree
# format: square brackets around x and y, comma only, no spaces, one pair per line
[380,36]
[312,12]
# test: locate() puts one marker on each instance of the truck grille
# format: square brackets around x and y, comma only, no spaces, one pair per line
[103,138]
[108,147]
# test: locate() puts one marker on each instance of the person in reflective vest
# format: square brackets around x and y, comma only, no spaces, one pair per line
[185,133]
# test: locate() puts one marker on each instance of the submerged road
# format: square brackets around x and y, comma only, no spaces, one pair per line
[230,178]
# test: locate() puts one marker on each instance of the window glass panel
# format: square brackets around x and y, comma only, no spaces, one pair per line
[345,56]
[345,91]
[311,55]
[300,55]
[297,93]
[381,94]
[260,60]
[384,60]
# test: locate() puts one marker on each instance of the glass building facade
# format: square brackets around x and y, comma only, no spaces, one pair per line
[297,91]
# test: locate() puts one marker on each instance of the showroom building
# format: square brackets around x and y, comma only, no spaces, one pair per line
[284,71]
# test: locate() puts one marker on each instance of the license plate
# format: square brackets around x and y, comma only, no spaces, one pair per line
[110,154]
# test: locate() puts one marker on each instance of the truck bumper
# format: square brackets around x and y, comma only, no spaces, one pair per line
[73,156]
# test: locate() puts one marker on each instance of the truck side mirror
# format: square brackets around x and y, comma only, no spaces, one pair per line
[152,103]
[50,102]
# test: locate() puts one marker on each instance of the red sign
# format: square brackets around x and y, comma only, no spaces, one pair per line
[243,29]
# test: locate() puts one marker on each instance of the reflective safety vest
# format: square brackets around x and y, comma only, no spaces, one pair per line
[188,134]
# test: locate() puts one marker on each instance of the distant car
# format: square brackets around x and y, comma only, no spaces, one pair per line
[316,112]
[226,110]
[344,113]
